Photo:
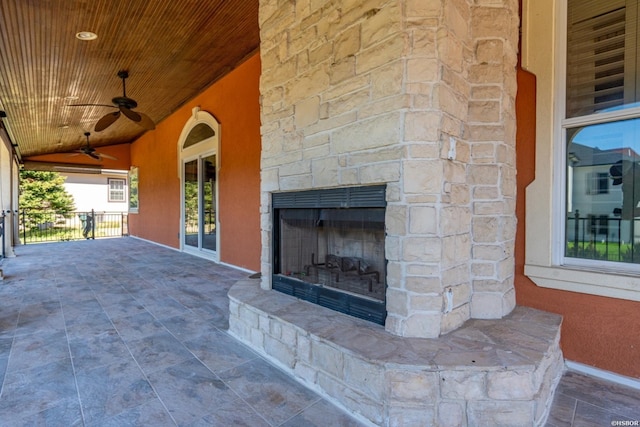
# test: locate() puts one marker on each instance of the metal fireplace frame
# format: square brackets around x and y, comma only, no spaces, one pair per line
[335,198]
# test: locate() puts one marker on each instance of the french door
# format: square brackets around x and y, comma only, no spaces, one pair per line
[199,206]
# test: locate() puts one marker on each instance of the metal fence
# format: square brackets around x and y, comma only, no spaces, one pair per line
[38,226]
[602,237]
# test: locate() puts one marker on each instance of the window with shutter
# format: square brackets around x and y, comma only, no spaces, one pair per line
[602,131]
[582,230]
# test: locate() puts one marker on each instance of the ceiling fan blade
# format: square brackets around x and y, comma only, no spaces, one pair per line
[106,121]
[93,155]
[90,105]
[106,156]
[146,122]
[132,115]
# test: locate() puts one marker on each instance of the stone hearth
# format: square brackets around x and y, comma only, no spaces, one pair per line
[488,372]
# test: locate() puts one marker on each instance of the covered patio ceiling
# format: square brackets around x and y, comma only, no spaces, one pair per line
[171,49]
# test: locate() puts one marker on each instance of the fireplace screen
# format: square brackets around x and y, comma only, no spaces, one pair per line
[334,257]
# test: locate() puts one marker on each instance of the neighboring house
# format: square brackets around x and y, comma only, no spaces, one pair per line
[595,198]
[103,192]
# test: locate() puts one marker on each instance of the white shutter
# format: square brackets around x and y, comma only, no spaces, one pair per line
[596,40]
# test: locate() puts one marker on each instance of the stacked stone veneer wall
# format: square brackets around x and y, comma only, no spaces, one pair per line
[418,95]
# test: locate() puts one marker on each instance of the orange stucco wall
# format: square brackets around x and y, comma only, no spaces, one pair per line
[596,331]
[234,102]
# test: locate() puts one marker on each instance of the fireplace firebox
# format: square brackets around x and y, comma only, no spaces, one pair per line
[328,248]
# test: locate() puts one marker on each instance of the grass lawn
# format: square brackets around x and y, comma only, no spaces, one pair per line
[611,251]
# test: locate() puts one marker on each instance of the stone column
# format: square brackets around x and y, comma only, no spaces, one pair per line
[418,95]
[492,132]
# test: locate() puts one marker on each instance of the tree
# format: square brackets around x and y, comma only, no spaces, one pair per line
[42,191]
[133,189]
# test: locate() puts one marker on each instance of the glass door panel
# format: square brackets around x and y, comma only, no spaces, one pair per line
[209,203]
[191,215]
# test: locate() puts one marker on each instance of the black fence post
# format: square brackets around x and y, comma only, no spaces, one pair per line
[93,225]
[619,220]
[606,239]
[2,232]
[24,226]
[633,239]
[576,232]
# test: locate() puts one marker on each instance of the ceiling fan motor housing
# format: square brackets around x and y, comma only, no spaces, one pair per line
[124,101]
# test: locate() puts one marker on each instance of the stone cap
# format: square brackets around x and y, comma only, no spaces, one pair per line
[519,340]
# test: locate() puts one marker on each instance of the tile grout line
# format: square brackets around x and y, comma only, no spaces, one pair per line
[575,410]
[73,365]
[238,394]
[301,411]
[257,356]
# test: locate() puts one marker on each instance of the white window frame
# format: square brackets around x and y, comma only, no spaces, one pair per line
[544,35]
[198,151]
[110,199]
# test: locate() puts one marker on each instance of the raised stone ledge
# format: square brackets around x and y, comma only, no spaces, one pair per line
[488,372]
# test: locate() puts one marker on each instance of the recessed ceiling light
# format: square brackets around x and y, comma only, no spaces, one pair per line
[86,35]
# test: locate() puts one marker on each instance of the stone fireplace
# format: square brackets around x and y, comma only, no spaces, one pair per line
[417,100]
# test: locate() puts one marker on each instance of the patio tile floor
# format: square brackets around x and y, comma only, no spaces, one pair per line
[582,401]
[121,332]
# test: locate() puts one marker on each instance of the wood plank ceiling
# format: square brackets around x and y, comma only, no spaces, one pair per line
[172,50]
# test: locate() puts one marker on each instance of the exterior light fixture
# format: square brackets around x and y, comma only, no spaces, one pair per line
[86,35]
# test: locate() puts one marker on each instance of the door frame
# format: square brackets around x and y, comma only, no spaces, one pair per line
[203,148]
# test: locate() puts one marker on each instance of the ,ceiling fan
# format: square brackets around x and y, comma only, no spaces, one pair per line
[125,105]
[91,152]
